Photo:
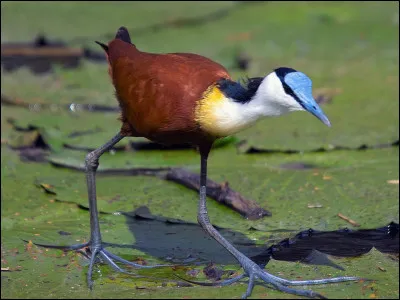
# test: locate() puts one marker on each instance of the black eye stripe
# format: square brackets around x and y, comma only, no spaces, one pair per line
[244,94]
[281,73]
[288,90]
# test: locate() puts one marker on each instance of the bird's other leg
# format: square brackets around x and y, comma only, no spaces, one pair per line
[95,243]
[251,269]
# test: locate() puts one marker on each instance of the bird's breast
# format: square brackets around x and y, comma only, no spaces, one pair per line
[219,115]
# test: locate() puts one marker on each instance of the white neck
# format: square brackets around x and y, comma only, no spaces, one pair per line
[271,99]
[230,116]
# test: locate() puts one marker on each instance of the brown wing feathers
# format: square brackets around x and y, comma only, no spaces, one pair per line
[158,93]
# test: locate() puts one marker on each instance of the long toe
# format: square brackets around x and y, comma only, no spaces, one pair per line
[219,283]
[129,263]
[256,272]
[250,286]
[98,254]
[66,248]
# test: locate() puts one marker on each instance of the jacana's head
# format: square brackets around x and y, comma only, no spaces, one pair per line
[286,90]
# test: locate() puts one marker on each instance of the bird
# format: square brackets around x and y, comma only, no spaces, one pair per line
[186,98]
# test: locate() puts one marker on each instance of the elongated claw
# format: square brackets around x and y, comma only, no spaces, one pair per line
[70,247]
[219,283]
[90,271]
[129,263]
[99,254]
[305,293]
[314,281]
[255,272]
[250,287]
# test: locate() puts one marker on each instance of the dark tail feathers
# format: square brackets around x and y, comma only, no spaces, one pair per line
[104,46]
[123,35]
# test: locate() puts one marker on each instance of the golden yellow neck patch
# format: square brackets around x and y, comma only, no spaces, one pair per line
[206,107]
[221,116]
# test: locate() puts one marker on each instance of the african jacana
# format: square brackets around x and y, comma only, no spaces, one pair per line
[188,98]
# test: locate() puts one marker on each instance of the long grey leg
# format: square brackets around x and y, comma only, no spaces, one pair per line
[251,269]
[91,164]
[204,220]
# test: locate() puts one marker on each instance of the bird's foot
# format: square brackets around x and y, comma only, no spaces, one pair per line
[255,272]
[96,253]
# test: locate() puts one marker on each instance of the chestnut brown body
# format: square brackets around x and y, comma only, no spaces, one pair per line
[158,93]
